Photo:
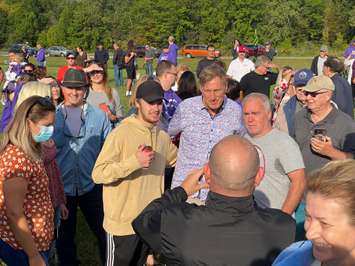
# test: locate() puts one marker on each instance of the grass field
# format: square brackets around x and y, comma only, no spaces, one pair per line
[87,251]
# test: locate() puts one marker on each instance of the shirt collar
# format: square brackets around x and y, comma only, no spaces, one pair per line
[330,117]
[203,107]
[238,205]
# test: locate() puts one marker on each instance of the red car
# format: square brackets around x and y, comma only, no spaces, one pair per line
[254,49]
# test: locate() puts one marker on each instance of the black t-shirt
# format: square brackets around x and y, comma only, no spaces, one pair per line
[253,82]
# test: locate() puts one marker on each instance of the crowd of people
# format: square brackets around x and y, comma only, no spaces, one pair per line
[250,164]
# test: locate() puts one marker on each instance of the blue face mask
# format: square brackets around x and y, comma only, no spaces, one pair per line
[44,134]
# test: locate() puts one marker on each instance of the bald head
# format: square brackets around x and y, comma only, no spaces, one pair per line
[234,163]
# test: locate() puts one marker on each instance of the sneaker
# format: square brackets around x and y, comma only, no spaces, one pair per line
[130,93]
[127,93]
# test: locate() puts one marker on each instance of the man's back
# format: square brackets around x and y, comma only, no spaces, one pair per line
[252,82]
[227,231]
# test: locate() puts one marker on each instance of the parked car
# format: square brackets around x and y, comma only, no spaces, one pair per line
[140,51]
[58,51]
[255,49]
[18,47]
[194,50]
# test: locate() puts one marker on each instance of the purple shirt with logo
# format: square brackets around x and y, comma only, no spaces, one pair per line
[170,103]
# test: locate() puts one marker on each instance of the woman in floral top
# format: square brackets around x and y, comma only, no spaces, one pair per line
[26,212]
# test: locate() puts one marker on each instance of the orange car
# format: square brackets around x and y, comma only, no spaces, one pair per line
[194,50]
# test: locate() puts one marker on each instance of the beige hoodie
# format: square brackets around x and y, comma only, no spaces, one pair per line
[127,188]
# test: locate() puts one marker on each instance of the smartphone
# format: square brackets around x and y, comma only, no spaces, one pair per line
[320,133]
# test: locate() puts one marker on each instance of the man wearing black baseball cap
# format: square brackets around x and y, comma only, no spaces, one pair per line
[131,167]
[70,58]
[79,132]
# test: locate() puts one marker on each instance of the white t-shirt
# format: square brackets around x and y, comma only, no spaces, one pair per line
[237,69]
[282,156]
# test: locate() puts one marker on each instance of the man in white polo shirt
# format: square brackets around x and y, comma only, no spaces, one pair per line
[240,66]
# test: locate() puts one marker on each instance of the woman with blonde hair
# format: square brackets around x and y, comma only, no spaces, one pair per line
[33,88]
[102,95]
[26,228]
[330,219]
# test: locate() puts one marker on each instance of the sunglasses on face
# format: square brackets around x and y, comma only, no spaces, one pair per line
[313,94]
[96,72]
[71,58]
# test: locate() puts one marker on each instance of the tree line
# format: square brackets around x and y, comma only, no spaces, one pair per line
[87,22]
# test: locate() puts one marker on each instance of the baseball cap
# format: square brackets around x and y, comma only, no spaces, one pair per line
[150,91]
[71,54]
[318,83]
[301,77]
[74,78]
[242,49]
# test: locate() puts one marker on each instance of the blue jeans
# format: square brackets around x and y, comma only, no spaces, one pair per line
[118,75]
[149,69]
[16,257]
[92,209]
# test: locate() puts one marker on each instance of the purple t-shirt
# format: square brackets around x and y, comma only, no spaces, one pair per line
[170,103]
[172,54]
[349,51]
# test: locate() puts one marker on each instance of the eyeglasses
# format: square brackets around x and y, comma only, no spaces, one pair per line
[313,94]
[71,58]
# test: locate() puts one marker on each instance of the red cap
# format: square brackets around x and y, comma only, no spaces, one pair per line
[242,49]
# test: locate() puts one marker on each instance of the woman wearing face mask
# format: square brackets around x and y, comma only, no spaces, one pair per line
[330,219]
[26,228]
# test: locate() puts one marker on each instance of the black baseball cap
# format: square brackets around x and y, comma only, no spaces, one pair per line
[150,91]
[74,78]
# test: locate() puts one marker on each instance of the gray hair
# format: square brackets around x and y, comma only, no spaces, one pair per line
[261,60]
[262,97]
[210,72]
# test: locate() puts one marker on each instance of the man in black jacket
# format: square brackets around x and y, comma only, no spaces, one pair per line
[342,95]
[101,55]
[118,64]
[230,229]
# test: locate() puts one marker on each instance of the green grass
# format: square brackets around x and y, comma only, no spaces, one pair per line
[87,251]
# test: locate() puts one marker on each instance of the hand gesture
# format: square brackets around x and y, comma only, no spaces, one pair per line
[322,146]
[145,155]
[192,183]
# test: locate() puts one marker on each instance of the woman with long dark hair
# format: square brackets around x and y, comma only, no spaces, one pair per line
[187,86]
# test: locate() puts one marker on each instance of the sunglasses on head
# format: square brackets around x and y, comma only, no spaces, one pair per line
[313,94]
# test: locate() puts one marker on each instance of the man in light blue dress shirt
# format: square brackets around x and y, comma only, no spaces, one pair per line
[203,121]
